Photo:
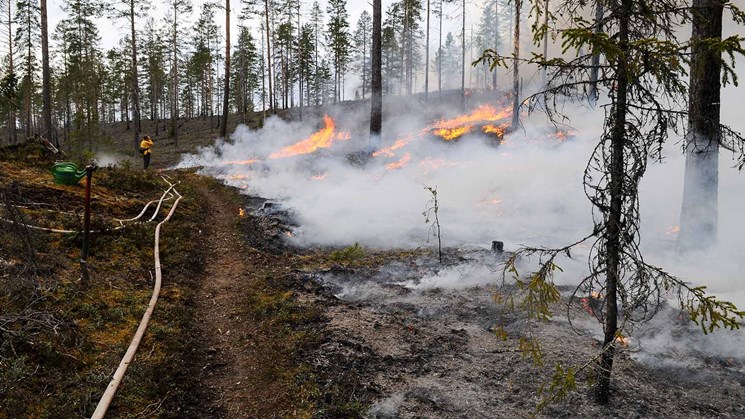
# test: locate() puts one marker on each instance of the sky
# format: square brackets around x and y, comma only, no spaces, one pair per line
[111,32]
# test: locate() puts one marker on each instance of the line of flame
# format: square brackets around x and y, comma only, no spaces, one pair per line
[399,164]
[322,138]
[241,162]
[401,142]
[451,129]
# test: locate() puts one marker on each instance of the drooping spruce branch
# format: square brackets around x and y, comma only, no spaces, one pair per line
[646,93]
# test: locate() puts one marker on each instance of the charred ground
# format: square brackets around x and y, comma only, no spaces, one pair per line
[250,325]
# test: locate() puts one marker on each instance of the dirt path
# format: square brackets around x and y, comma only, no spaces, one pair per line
[225,334]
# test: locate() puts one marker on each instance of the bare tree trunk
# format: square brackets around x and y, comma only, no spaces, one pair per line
[515,69]
[263,77]
[426,58]
[612,245]
[496,42]
[12,108]
[439,62]
[593,94]
[174,104]
[364,64]
[135,79]
[463,60]
[376,95]
[699,212]
[29,84]
[269,56]
[226,95]
[544,73]
[46,90]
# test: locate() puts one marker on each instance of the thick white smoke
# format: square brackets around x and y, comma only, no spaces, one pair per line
[528,191]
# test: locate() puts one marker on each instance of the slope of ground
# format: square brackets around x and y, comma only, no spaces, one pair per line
[227,333]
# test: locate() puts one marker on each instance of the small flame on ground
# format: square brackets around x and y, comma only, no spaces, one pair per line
[322,138]
[623,341]
[401,142]
[399,164]
[492,201]
[672,230]
[237,176]
[592,303]
[242,162]
[289,234]
[320,176]
[241,212]
[432,164]
[497,130]
[449,134]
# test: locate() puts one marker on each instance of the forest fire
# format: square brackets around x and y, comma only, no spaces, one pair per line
[498,130]
[429,165]
[672,230]
[242,162]
[449,134]
[322,138]
[388,151]
[452,129]
[399,164]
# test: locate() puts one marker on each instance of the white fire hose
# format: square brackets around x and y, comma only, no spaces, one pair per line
[103,404]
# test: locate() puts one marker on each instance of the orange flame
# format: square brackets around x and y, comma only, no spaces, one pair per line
[399,164]
[401,142]
[242,162]
[449,134]
[322,138]
[622,340]
[453,128]
[241,212]
[432,164]
[320,176]
[492,201]
[672,230]
[497,130]
[563,135]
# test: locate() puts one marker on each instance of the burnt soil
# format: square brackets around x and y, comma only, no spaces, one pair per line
[286,331]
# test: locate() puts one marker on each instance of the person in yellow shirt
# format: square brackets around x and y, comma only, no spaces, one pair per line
[146,146]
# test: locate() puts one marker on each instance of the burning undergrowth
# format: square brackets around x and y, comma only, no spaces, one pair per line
[421,332]
[481,170]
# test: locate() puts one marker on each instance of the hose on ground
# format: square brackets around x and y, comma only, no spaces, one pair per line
[108,396]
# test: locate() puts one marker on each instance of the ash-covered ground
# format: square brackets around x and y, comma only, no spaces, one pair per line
[408,336]
[416,339]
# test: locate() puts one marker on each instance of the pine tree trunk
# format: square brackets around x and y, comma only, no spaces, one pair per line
[439,61]
[174,104]
[226,95]
[269,56]
[12,108]
[135,79]
[496,42]
[463,60]
[544,73]
[426,58]
[376,95]
[599,11]
[612,246]
[515,70]
[699,212]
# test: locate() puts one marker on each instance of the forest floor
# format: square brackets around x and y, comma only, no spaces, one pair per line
[249,325]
